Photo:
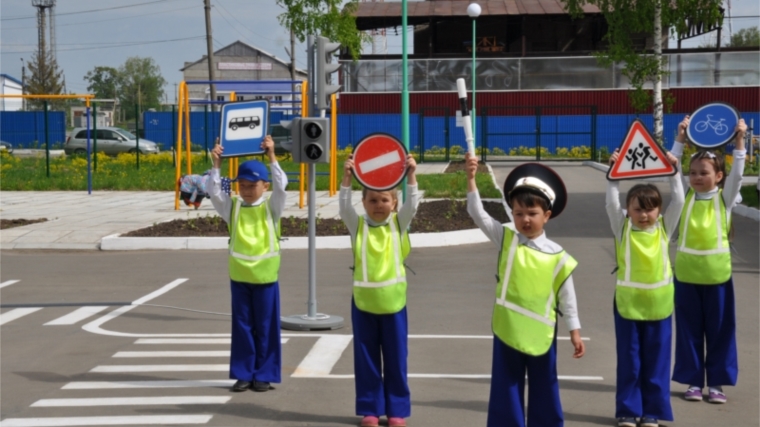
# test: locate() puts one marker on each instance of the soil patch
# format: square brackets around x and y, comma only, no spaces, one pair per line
[459,165]
[11,223]
[432,217]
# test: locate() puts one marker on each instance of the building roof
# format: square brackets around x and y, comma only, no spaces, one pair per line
[263,52]
[11,78]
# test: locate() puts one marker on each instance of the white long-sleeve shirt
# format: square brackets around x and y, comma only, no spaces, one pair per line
[494,230]
[223,202]
[671,216]
[732,185]
[351,218]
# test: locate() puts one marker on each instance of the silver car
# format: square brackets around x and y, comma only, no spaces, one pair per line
[111,140]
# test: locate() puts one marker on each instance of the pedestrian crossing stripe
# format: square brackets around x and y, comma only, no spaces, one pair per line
[107,421]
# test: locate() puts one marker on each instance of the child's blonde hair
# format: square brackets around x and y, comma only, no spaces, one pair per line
[393,191]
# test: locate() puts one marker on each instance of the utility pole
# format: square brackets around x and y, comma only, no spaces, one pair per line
[292,55]
[210,51]
[23,84]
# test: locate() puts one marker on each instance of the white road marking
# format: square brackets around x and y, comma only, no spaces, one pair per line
[380,161]
[90,385]
[77,315]
[190,341]
[8,283]
[323,356]
[106,421]
[477,337]
[223,353]
[461,376]
[125,401]
[160,368]
[16,313]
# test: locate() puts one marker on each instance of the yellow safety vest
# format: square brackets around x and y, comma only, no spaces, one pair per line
[254,255]
[379,275]
[524,315]
[703,256]
[644,280]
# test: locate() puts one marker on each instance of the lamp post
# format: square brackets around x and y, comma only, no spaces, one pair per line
[473,10]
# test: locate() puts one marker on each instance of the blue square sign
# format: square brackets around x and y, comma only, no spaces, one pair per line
[243,127]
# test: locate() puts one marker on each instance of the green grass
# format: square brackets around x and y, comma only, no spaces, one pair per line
[157,173]
[749,196]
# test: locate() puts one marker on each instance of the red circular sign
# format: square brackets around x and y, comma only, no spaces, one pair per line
[380,162]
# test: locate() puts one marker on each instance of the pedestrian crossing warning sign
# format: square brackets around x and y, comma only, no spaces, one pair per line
[640,156]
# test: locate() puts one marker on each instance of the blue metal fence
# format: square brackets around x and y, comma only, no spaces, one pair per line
[26,129]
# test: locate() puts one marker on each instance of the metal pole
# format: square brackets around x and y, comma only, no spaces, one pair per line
[474,79]
[89,168]
[95,136]
[47,142]
[137,136]
[312,304]
[210,51]
[311,70]
[205,131]
[404,87]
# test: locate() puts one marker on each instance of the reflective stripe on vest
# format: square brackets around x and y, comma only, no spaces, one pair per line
[524,316]
[254,252]
[379,275]
[644,280]
[703,256]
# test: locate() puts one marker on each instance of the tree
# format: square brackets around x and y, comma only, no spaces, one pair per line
[103,82]
[44,79]
[141,84]
[324,18]
[629,18]
[745,37]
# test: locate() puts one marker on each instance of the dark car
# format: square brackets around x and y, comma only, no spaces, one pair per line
[240,122]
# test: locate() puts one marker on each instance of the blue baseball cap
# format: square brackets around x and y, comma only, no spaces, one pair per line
[252,170]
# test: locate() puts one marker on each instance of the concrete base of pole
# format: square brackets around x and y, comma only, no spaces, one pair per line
[302,322]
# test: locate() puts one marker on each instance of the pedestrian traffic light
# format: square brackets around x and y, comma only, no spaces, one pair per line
[313,141]
[324,69]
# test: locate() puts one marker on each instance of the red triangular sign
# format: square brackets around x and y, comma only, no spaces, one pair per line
[640,156]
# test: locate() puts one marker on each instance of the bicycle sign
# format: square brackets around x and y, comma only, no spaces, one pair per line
[712,125]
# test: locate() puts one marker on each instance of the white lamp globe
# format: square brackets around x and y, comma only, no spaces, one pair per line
[473,10]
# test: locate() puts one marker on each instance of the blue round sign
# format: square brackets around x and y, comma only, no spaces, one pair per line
[712,125]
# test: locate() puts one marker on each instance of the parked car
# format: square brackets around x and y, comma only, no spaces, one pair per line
[111,140]
[282,141]
[6,146]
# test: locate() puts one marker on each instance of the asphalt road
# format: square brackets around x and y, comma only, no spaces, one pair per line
[51,371]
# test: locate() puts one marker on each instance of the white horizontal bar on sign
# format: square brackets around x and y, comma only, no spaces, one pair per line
[16,313]
[106,421]
[77,315]
[190,340]
[8,283]
[160,368]
[222,353]
[378,162]
[96,385]
[132,401]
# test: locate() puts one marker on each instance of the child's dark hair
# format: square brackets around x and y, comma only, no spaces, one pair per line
[648,196]
[393,191]
[717,161]
[529,198]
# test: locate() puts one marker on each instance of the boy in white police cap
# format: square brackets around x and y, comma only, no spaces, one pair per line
[254,263]
[534,284]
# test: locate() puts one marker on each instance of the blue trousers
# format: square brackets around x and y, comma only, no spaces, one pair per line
[705,335]
[643,367]
[256,353]
[506,406]
[380,353]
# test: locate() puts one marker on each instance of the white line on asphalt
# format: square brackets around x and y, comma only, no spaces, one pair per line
[378,162]
[190,341]
[160,368]
[125,401]
[90,385]
[222,353]
[77,315]
[8,283]
[461,376]
[477,337]
[324,354]
[106,421]
[14,314]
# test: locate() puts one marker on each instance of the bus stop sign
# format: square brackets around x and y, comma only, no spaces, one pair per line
[243,127]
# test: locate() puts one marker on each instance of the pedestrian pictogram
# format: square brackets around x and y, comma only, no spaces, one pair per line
[313,130]
[640,156]
[712,125]
[313,151]
[380,162]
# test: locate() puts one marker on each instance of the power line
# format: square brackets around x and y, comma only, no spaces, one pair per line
[105,20]
[15,18]
[241,24]
[110,46]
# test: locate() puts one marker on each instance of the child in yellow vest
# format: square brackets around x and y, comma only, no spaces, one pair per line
[254,263]
[704,289]
[643,302]
[534,281]
[380,244]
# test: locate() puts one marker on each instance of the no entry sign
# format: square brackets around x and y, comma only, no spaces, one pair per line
[380,162]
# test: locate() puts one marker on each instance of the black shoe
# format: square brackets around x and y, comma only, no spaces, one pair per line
[241,385]
[261,386]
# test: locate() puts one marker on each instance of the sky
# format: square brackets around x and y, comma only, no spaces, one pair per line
[172,32]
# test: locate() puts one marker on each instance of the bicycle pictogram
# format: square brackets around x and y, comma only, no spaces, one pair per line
[718,126]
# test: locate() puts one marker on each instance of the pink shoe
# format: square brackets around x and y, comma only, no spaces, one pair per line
[370,421]
[396,422]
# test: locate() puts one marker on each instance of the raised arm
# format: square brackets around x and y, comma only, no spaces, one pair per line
[677,150]
[221,200]
[492,228]
[279,197]
[409,208]
[673,211]
[345,207]
[733,182]
[612,203]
